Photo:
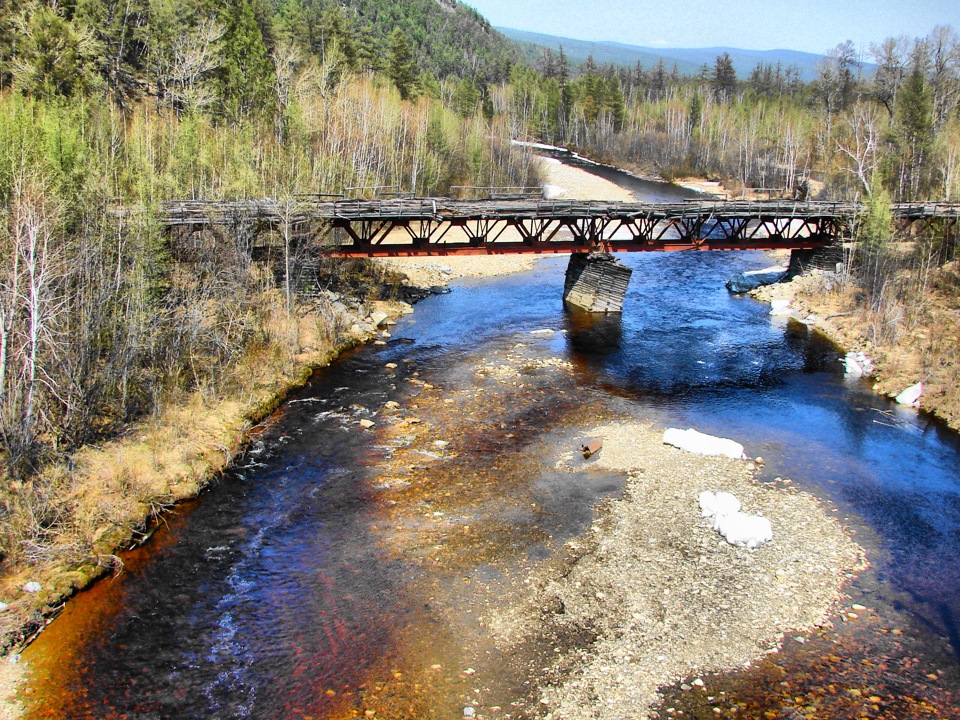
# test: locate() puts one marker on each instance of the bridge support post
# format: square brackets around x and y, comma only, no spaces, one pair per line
[826,258]
[596,282]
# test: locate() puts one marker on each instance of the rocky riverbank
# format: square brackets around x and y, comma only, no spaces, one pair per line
[925,351]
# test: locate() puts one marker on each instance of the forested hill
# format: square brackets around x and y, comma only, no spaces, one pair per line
[164,47]
[448,37]
[688,61]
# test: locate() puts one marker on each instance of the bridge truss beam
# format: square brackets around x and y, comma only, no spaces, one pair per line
[439,226]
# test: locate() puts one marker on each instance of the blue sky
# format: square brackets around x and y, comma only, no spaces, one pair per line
[810,25]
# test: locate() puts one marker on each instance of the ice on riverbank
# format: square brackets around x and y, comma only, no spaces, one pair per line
[752,279]
[738,528]
[718,503]
[857,364]
[911,396]
[780,306]
[702,444]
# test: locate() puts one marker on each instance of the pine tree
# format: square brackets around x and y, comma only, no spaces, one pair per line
[613,100]
[401,65]
[913,133]
[658,80]
[247,72]
[724,78]
[53,57]
[695,113]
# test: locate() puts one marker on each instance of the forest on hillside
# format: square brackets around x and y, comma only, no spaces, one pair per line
[109,107]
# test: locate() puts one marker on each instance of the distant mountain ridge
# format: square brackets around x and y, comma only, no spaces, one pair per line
[687,60]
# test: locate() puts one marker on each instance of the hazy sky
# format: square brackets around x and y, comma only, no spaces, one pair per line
[810,25]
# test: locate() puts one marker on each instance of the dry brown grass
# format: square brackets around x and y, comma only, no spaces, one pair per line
[908,342]
[64,528]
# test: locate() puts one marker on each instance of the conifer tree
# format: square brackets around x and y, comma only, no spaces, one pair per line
[695,113]
[53,57]
[913,131]
[401,65]
[246,73]
[724,78]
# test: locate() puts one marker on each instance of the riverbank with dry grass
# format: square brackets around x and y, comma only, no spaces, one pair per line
[924,348]
[113,495]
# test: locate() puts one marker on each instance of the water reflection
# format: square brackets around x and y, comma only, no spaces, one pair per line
[592,334]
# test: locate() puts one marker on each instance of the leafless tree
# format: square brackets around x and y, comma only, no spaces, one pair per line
[861,147]
[31,307]
[892,56]
[945,73]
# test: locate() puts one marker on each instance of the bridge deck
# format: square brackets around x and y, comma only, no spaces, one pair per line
[440,226]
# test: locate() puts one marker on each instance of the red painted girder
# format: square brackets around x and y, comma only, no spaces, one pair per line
[560,248]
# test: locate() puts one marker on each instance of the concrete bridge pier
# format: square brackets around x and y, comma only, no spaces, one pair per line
[596,282]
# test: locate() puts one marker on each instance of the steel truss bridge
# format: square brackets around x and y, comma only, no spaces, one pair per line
[440,226]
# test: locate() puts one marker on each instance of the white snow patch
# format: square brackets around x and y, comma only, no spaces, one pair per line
[780,307]
[857,364]
[911,396]
[690,440]
[738,528]
[719,503]
[749,531]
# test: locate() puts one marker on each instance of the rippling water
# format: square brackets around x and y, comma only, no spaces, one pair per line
[296,589]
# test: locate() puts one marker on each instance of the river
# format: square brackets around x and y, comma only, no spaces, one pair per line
[337,569]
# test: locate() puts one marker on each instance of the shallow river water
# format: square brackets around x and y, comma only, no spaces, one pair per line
[340,572]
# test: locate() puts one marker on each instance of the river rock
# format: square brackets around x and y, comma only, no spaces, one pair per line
[911,396]
[367,424]
[690,440]
[752,279]
[32,587]
[378,318]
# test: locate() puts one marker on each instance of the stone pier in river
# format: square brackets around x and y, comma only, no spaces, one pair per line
[596,282]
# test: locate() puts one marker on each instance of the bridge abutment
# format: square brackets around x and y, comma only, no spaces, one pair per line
[596,282]
[826,258]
